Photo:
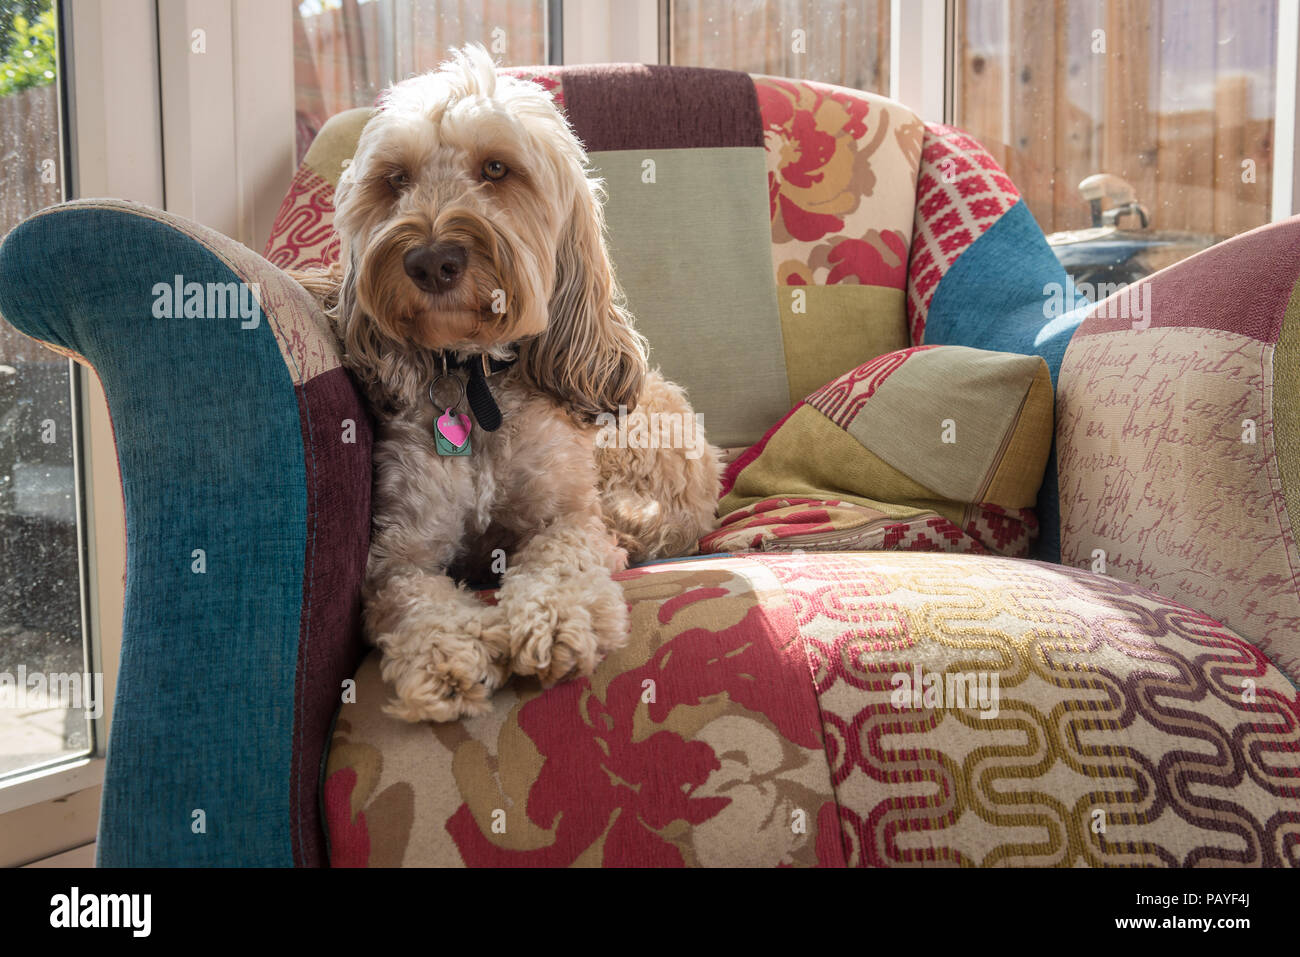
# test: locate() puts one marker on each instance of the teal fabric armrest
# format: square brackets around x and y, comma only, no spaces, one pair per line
[245,457]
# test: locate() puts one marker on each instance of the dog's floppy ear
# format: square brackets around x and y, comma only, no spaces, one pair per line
[321,282]
[589,358]
[389,381]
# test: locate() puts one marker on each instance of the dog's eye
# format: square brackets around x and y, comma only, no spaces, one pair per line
[494,170]
[398,181]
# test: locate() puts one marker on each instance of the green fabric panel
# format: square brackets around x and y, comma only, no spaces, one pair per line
[1286,407]
[693,252]
[810,456]
[335,143]
[981,392]
[840,328]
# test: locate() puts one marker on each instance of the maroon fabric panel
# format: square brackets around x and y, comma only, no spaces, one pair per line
[1242,286]
[630,107]
[548,78]
[330,645]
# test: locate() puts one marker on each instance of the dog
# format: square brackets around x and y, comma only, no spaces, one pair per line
[474,278]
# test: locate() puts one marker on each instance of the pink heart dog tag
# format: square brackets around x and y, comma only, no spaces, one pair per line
[453,433]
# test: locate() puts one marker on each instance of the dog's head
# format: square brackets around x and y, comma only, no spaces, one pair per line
[468,222]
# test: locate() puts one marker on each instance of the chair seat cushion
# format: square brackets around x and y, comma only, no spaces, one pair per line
[879,708]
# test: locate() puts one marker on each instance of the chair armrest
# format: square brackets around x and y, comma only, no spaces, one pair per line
[1178,437]
[245,458]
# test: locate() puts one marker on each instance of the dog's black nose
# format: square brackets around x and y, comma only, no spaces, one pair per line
[436,268]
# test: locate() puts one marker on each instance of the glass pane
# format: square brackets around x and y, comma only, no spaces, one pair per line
[1173,99]
[846,43]
[347,51]
[43,713]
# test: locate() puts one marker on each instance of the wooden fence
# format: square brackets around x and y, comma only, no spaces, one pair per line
[846,43]
[1172,95]
[1175,96]
[31,175]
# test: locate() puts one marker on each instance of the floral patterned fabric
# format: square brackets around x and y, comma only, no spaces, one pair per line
[837,162]
[850,709]
[841,173]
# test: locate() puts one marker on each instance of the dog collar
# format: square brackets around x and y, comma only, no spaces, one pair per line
[479,369]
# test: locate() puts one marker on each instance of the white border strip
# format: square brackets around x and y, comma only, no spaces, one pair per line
[1286,173]
[617,31]
[50,782]
[918,54]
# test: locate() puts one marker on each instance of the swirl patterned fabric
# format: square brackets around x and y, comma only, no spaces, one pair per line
[303,234]
[859,709]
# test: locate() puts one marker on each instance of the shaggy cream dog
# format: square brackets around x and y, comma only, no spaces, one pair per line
[474,272]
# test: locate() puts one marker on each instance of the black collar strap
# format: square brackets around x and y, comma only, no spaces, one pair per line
[478,368]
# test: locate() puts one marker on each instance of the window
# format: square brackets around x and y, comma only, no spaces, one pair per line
[846,43]
[347,51]
[45,689]
[1175,98]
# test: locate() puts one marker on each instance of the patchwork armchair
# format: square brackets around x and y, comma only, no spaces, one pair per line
[1139,624]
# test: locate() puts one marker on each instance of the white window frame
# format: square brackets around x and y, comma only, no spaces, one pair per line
[617,31]
[1286,120]
[227,112]
[920,36]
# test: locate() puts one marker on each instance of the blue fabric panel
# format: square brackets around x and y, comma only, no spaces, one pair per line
[993,298]
[204,711]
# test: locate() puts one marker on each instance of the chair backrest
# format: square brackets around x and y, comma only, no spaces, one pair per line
[759,226]
[772,234]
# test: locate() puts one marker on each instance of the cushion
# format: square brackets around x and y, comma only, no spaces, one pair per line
[302,236]
[1179,437]
[850,709]
[757,209]
[923,448]
[981,274]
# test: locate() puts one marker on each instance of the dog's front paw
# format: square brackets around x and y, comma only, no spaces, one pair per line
[562,629]
[444,676]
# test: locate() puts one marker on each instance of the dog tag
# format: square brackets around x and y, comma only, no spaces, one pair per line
[451,433]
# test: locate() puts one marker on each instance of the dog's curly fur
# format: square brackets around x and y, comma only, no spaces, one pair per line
[567,512]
